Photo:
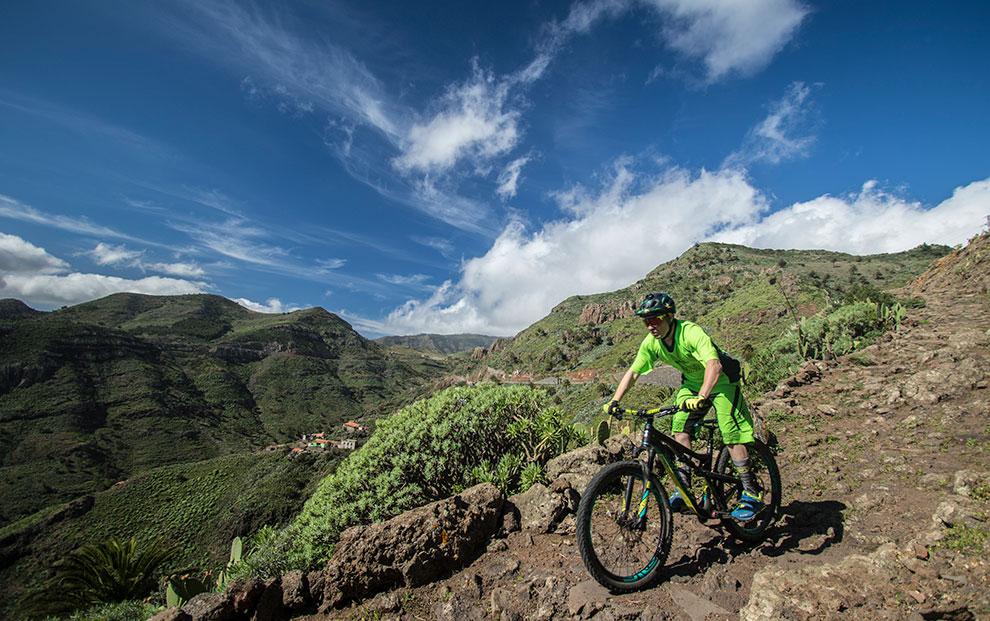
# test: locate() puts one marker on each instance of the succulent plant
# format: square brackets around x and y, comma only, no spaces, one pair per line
[602,431]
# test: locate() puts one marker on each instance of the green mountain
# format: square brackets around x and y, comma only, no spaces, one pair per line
[438,343]
[94,393]
[737,293]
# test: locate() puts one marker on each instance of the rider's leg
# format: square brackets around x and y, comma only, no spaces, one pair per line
[740,460]
[736,425]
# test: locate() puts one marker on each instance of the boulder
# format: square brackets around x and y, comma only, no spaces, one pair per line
[853,585]
[411,549]
[295,591]
[269,606]
[510,519]
[540,508]
[244,595]
[968,480]
[622,447]
[209,607]
[579,466]
[956,511]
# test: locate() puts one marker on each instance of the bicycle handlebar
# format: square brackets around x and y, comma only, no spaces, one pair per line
[650,412]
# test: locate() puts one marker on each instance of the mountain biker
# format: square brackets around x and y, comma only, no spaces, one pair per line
[709,378]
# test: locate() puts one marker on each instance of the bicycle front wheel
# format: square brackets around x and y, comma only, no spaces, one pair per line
[624,527]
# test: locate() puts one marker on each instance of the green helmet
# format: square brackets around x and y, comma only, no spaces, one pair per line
[655,304]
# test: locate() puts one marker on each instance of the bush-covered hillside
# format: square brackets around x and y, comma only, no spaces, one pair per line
[197,507]
[426,451]
[737,293]
[94,393]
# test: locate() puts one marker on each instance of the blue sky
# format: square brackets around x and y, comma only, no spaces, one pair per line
[438,168]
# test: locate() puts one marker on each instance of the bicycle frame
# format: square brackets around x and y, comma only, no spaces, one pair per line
[661,446]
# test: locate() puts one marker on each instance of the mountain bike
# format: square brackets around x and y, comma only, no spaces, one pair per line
[624,521]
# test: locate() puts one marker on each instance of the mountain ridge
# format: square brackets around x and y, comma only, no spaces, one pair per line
[95,389]
[438,343]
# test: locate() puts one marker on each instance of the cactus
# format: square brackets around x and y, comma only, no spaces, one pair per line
[603,431]
[236,548]
[183,588]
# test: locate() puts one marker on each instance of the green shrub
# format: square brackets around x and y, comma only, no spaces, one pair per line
[424,452]
[530,476]
[971,541]
[133,610]
[826,335]
[108,572]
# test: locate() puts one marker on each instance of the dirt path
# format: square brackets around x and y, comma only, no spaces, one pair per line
[883,451]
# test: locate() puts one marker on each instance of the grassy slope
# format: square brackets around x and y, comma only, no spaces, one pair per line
[200,507]
[723,287]
[91,394]
[437,343]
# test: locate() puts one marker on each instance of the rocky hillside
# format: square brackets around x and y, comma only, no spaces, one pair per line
[438,343]
[734,291]
[886,509]
[94,393]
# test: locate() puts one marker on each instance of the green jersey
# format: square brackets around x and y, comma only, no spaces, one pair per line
[692,350]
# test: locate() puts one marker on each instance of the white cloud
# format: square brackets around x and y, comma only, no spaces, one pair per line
[444,246]
[869,221]
[472,121]
[187,270]
[636,222]
[611,239]
[108,254]
[29,273]
[326,265]
[782,135]
[508,180]
[729,36]
[235,238]
[16,210]
[18,256]
[51,290]
[311,71]
[412,280]
[273,305]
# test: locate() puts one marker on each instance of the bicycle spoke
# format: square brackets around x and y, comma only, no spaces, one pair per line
[624,548]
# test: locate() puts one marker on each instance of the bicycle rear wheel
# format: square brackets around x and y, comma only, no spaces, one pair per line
[764,467]
[624,527]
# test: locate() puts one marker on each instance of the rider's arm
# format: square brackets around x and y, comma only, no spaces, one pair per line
[712,370]
[625,383]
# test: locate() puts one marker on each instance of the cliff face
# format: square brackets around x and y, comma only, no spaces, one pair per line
[96,392]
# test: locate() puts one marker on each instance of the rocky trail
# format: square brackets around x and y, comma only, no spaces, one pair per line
[886,508]
[885,459]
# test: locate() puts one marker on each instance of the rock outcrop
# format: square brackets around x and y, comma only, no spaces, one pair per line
[597,314]
[413,548]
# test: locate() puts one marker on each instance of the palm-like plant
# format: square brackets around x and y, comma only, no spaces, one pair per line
[111,571]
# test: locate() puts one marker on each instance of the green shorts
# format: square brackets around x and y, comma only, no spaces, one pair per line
[734,420]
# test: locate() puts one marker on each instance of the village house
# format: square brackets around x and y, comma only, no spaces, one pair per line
[355,427]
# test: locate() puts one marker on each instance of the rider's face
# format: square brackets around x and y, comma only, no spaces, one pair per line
[658,326]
